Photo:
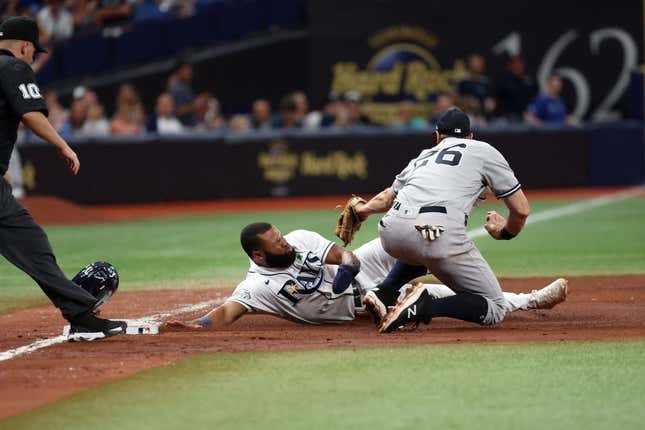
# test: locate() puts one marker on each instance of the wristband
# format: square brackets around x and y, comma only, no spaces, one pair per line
[505,234]
[344,276]
[351,264]
[204,322]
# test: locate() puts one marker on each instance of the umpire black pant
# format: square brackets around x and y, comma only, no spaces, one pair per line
[25,244]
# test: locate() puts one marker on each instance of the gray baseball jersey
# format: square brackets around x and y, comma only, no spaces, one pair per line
[450,177]
[303,292]
[453,174]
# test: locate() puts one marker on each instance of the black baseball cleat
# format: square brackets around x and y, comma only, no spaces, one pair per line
[407,310]
[88,327]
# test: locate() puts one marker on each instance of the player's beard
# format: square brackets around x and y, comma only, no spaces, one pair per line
[280,261]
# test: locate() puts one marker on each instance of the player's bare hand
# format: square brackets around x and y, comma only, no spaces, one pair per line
[494,224]
[176,325]
[70,158]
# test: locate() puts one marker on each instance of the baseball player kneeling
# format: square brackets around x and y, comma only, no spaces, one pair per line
[427,208]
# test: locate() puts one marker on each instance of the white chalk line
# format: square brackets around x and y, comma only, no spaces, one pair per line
[571,209]
[150,319]
[546,215]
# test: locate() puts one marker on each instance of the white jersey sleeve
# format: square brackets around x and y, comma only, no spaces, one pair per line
[253,295]
[498,173]
[375,264]
[311,241]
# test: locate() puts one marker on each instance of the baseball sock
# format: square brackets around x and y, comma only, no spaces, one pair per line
[463,306]
[401,274]
[517,301]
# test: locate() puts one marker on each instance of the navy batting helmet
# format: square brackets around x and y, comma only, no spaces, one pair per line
[100,279]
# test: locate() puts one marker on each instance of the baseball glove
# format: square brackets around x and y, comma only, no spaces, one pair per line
[348,220]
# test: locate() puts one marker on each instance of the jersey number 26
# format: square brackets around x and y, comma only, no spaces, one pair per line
[447,156]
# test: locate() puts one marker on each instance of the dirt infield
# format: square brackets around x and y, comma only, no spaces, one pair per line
[598,308]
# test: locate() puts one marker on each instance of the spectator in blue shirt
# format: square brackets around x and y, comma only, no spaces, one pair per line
[548,108]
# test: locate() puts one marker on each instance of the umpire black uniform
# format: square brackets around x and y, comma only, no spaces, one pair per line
[22,241]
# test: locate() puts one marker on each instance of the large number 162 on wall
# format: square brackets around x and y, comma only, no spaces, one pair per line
[555,54]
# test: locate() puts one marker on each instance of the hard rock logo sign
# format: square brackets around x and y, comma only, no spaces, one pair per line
[402,67]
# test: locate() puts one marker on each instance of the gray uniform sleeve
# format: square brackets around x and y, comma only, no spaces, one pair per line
[18,83]
[498,174]
[402,178]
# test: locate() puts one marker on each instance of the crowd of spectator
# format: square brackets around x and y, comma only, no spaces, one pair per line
[512,98]
[59,20]
[177,110]
[182,109]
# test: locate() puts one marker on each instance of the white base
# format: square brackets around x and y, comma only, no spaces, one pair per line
[134,327]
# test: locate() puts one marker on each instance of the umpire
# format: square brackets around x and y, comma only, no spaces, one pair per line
[22,241]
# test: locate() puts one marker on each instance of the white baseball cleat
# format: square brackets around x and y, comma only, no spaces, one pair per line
[375,306]
[549,296]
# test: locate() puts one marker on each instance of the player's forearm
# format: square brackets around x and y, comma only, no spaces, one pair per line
[217,318]
[515,223]
[346,272]
[380,203]
[518,212]
[37,122]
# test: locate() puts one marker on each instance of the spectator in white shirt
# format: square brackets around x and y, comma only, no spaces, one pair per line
[239,124]
[55,22]
[164,120]
[96,123]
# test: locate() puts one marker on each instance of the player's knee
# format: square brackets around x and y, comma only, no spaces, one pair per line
[496,312]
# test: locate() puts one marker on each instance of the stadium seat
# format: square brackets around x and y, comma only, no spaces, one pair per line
[85,56]
[145,42]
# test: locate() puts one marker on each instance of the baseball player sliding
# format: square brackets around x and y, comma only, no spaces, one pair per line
[306,278]
[425,229]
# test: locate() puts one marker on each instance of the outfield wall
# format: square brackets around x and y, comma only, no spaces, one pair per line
[296,163]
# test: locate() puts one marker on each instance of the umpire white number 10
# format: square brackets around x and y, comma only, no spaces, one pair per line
[30,91]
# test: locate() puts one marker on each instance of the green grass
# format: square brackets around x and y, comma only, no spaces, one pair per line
[606,240]
[177,251]
[523,386]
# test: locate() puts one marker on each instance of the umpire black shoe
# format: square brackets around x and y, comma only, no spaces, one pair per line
[407,311]
[88,327]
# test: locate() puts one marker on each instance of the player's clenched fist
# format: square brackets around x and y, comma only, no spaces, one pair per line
[494,224]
